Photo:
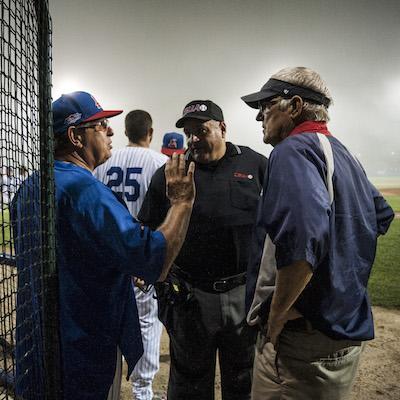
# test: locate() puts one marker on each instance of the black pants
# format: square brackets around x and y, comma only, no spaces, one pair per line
[197,328]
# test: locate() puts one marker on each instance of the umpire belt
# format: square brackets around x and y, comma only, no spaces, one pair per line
[218,286]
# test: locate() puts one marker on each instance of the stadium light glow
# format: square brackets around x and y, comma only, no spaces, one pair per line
[65,85]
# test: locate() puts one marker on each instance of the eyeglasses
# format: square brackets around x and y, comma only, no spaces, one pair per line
[266,105]
[103,125]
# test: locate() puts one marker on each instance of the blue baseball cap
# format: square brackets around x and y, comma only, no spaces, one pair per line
[173,142]
[76,108]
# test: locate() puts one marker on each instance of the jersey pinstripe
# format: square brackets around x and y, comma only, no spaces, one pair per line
[128,173]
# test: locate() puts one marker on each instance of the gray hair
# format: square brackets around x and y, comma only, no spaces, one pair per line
[308,78]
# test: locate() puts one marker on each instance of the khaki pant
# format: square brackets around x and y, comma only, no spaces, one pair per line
[307,365]
[115,388]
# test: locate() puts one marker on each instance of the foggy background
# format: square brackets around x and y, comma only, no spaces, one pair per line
[158,55]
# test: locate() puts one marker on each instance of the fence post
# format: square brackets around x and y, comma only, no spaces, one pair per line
[50,317]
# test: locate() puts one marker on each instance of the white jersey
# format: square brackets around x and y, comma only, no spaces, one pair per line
[128,173]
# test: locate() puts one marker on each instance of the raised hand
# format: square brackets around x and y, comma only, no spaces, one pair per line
[180,185]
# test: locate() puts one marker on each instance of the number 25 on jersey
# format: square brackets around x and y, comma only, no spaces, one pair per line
[117,180]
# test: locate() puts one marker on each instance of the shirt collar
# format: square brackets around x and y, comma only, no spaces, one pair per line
[68,166]
[311,127]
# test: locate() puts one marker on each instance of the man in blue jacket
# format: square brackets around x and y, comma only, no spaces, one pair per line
[99,246]
[314,247]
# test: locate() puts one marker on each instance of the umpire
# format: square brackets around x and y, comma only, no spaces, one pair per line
[202,302]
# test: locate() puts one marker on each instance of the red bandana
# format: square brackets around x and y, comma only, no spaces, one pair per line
[311,127]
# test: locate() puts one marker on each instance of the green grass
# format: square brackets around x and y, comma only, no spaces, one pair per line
[384,284]
[394,202]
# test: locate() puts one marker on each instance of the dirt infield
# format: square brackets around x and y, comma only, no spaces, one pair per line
[390,192]
[378,377]
[379,374]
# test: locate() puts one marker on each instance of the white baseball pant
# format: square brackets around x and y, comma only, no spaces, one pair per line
[151,328]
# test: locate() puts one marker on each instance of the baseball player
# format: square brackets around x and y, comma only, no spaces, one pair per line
[128,173]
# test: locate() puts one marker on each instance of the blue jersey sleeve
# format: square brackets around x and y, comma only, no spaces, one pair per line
[128,245]
[296,206]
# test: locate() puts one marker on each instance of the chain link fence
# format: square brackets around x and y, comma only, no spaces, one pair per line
[29,355]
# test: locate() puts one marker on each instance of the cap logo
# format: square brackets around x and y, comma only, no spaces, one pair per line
[286,91]
[194,107]
[71,119]
[96,102]
[172,144]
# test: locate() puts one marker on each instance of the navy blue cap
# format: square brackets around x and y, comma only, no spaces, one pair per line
[276,87]
[76,108]
[173,142]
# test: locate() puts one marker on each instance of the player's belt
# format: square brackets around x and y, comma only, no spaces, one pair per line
[217,286]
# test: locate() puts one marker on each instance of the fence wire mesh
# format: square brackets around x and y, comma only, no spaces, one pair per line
[28,297]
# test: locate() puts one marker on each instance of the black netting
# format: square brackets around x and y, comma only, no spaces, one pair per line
[29,363]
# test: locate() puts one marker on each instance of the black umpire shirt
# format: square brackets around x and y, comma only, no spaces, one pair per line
[219,236]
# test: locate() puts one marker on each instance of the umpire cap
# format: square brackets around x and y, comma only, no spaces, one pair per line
[200,109]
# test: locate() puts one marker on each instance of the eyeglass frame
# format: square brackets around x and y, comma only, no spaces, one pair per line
[264,105]
[105,124]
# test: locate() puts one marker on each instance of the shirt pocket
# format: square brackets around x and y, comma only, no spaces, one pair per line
[244,193]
